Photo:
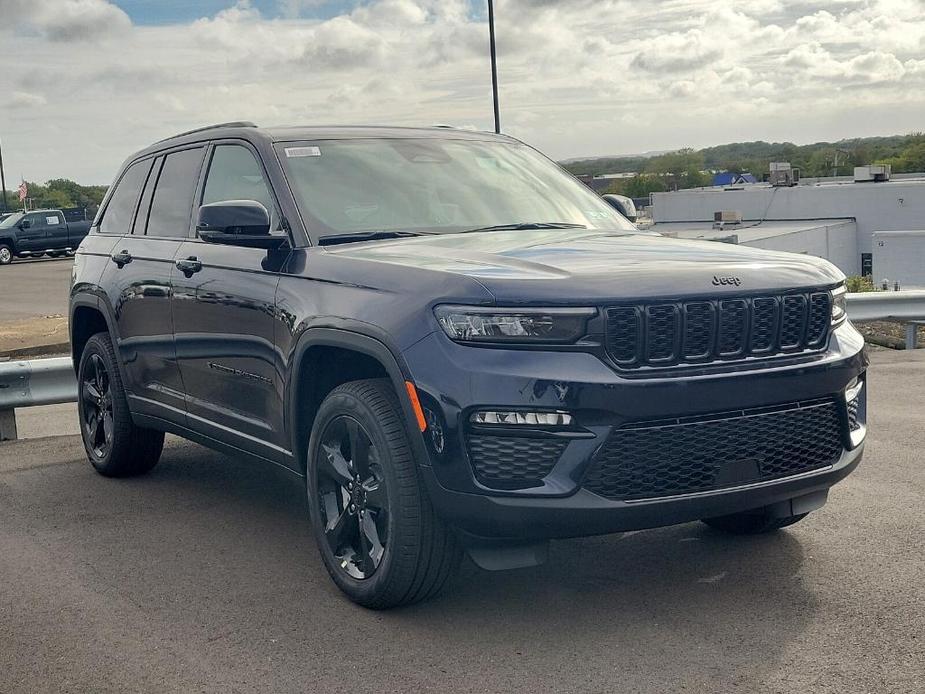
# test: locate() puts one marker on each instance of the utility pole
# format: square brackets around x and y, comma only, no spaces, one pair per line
[3,178]
[494,64]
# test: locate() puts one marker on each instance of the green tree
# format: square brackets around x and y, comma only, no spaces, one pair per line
[640,186]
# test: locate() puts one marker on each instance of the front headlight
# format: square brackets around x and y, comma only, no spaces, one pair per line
[839,305]
[541,325]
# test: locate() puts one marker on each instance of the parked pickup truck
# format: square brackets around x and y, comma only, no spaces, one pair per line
[37,233]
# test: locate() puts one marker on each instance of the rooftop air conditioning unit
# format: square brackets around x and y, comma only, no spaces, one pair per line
[728,216]
[872,172]
[782,174]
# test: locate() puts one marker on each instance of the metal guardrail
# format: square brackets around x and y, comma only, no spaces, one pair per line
[31,383]
[52,381]
[905,306]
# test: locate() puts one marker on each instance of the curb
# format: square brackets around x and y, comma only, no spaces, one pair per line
[37,351]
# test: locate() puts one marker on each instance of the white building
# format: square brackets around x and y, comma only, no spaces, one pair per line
[842,221]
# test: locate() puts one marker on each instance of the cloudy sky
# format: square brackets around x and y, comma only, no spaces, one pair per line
[85,82]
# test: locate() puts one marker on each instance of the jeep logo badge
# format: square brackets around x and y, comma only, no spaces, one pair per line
[722,281]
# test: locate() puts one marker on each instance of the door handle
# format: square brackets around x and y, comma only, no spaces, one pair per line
[189,266]
[122,258]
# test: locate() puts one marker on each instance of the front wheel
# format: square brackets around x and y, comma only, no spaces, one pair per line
[114,445]
[6,254]
[752,522]
[377,532]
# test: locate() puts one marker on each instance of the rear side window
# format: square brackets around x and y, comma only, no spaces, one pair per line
[173,196]
[121,208]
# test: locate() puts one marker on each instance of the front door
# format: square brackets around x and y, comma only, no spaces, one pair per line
[31,234]
[223,313]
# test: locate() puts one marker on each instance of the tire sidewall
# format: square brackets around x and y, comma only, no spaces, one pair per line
[346,404]
[96,346]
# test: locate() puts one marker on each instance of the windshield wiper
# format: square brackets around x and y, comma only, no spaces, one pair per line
[520,226]
[359,236]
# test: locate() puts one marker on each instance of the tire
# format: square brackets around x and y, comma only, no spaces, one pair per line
[6,254]
[114,445]
[376,529]
[752,523]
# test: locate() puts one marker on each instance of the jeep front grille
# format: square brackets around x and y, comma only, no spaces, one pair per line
[671,333]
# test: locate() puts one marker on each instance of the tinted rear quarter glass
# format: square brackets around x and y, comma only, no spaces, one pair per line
[172,203]
[121,207]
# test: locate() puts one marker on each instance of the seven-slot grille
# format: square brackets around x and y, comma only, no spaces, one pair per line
[687,332]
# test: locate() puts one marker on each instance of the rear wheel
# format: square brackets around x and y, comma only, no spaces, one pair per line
[752,522]
[6,254]
[114,445]
[377,532]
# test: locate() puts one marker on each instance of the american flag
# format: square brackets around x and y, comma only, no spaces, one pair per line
[23,191]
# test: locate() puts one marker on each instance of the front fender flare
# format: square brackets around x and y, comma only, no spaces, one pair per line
[392,361]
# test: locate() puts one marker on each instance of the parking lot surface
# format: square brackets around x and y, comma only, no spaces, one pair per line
[37,287]
[203,577]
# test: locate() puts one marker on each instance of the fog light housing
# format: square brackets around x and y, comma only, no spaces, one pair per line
[857,411]
[517,418]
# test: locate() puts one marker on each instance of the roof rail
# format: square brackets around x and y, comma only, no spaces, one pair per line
[232,124]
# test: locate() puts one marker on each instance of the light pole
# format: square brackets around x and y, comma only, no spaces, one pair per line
[2,178]
[494,64]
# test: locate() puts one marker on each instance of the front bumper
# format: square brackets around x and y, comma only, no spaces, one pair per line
[584,513]
[454,380]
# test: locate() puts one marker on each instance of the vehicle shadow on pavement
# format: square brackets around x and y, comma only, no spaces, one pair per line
[209,563]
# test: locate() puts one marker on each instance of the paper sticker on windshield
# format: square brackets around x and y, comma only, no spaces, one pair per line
[51,221]
[303,151]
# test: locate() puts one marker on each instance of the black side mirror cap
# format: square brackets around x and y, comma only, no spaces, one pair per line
[237,223]
[623,205]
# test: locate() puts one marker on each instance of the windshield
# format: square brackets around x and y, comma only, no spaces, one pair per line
[435,186]
[11,221]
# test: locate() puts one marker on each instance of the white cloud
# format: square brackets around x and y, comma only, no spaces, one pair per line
[26,100]
[66,20]
[578,77]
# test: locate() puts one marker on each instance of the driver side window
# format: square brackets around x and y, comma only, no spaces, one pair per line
[235,174]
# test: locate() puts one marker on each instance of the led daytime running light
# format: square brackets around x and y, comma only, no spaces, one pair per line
[548,419]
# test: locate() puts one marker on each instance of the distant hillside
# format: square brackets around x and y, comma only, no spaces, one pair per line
[817,159]
[683,168]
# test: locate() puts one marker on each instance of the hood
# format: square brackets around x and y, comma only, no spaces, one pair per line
[564,266]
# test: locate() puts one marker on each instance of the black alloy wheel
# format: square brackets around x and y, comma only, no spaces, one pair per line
[352,497]
[115,445]
[96,415]
[377,532]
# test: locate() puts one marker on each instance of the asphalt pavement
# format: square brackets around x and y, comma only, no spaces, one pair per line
[203,576]
[36,287]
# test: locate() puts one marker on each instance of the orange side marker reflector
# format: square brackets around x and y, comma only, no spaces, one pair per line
[416,405]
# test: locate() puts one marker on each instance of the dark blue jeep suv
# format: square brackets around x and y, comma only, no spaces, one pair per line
[456,346]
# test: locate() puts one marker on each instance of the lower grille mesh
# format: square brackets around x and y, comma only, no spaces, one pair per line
[649,461]
[513,461]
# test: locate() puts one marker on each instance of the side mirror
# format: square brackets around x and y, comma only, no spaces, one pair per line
[237,223]
[25,224]
[623,205]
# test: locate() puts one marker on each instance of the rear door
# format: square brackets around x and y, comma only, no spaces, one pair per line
[223,313]
[56,230]
[138,279]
